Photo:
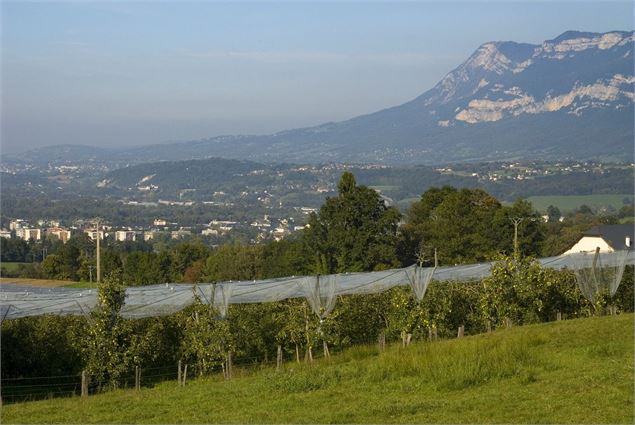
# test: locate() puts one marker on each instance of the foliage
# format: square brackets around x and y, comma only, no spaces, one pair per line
[466,225]
[354,231]
[206,339]
[108,353]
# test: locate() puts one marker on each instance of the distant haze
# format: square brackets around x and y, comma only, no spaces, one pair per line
[123,74]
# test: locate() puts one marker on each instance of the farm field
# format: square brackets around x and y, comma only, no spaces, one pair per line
[571,202]
[44,283]
[574,371]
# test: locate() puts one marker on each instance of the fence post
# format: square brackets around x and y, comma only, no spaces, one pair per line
[327,353]
[508,323]
[559,316]
[489,325]
[184,376]
[279,358]
[461,331]
[84,384]
[382,341]
[178,376]
[137,378]
[229,365]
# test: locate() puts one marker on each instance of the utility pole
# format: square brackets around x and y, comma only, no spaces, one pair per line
[517,221]
[98,253]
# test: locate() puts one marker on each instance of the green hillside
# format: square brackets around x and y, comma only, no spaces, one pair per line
[577,371]
[571,202]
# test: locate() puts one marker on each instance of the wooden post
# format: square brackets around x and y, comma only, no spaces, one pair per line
[489,326]
[137,378]
[229,365]
[178,376]
[325,347]
[279,358]
[297,353]
[429,333]
[434,333]
[508,323]
[184,375]
[461,331]
[559,316]
[84,384]
[408,339]
[382,341]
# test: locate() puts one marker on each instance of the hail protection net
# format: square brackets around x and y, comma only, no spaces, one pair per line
[319,292]
[155,300]
[598,272]
[419,279]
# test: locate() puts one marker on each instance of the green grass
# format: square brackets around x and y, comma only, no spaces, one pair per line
[577,371]
[11,267]
[81,284]
[568,203]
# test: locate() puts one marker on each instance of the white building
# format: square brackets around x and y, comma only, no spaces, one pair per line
[608,238]
[17,224]
[160,222]
[4,233]
[28,233]
[61,234]
[92,234]
[125,235]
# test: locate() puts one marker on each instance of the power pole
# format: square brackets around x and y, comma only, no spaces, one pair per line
[98,254]
[516,221]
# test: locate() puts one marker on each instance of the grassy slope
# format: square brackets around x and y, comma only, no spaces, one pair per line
[577,371]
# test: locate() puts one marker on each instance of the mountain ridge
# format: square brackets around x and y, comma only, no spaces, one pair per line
[570,97]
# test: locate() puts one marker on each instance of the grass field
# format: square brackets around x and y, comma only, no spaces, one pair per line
[577,371]
[568,203]
[11,267]
[47,283]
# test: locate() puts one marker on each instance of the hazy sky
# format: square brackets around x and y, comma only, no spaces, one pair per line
[131,73]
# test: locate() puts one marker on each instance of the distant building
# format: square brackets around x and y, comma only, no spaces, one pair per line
[160,222]
[209,232]
[92,234]
[29,233]
[148,235]
[608,237]
[279,233]
[125,235]
[61,234]
[4,233]
[180,234]
[17,224]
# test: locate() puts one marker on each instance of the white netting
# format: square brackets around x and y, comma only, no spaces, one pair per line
[319,292]
[155,300]
[419,279]
[598,272]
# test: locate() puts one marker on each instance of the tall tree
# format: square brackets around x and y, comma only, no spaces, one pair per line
[354,231]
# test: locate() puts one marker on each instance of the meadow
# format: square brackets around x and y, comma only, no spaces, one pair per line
[573,371]
[571,202]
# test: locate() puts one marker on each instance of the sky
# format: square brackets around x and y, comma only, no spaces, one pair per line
[118,73]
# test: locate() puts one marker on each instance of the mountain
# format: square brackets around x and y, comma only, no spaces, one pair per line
[567,98]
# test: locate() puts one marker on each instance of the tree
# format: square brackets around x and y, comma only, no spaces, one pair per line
[553,214]
[466,225]
[108,342]
[354,231]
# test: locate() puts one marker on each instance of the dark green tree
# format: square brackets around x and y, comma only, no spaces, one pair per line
[353,231]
